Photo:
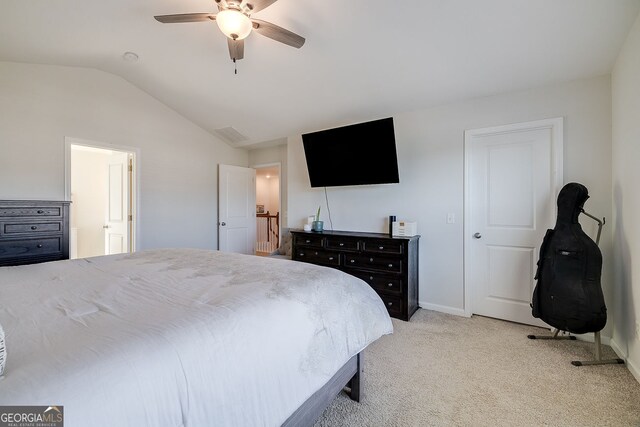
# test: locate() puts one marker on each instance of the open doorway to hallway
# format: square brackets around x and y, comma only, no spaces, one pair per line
[268,218]
[101,185]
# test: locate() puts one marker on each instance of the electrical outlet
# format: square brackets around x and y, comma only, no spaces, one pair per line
[451,218]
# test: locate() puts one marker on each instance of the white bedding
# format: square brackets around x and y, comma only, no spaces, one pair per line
[179,337]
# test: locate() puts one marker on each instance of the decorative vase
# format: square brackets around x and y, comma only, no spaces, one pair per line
[316,225]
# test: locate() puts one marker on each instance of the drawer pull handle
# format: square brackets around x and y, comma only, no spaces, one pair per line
[341,244]
[330,258]
[33,227]
[390,265]
[370,259]
[307,241]
[40,212]
[352,261]
[381,247]
[39,246]
[316,253]
[390,285]
[370,277]
[301,254]
[389,304]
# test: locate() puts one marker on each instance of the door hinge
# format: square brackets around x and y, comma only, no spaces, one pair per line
[130,218]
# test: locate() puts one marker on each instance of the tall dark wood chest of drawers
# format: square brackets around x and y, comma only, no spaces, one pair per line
[388,264]
[33,231]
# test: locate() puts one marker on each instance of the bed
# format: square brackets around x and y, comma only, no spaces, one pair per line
[184,337]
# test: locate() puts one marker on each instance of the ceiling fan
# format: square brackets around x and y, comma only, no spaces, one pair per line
[235,21]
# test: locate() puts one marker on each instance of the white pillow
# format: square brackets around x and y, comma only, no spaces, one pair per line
[3,351]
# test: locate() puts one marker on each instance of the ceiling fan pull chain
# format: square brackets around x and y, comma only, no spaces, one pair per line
[235,66]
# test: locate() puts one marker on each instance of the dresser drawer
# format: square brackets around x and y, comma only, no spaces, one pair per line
[389,265]
[379,282]
[393,304]
[30,247]
[383,246]
[373,261]
[342,243]
[30,212]
[309,240]
[317,256]
[34,227]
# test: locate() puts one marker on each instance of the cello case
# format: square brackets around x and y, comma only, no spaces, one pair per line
[568,295]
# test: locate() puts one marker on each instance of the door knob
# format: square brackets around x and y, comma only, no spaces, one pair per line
[106,226]
[477,235]
[223,224]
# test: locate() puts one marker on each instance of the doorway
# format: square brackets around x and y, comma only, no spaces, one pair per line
[513,174]
[268,209]
[249,209]
[101,184]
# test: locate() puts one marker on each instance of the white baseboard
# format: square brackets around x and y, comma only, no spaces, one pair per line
[616,348]
[442,308]
[635,370]
[591,338]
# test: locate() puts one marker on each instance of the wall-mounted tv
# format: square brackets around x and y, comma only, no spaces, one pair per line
[359,154]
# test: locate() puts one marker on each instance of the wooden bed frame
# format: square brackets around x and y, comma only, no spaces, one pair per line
[348,376]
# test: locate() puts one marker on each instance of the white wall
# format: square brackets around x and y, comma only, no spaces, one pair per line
[40,105]
[430,156]
[270,155]
[626,199]
[268,193]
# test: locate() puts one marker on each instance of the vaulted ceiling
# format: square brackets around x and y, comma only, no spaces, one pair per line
[362,59]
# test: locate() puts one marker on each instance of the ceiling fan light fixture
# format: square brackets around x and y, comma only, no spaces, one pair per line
[234,24]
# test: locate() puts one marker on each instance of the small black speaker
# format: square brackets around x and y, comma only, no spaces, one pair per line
[392,219]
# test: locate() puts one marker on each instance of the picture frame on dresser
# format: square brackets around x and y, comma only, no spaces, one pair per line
[33,231]
[389,264]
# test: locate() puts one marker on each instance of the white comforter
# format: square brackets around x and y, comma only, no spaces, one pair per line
[179,337]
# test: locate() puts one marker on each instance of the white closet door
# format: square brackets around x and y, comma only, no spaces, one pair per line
[513,175]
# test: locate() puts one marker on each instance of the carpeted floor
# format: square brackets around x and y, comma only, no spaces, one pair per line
[443,370]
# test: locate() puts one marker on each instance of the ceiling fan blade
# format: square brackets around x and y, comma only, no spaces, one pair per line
[236,48]
[274,32]
[185,17]
[256,5]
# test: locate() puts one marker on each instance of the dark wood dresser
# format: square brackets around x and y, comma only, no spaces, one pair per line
[33,231]
[388,264]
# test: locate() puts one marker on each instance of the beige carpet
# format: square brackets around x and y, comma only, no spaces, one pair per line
[443,370]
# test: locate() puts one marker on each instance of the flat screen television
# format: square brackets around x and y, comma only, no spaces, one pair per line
[359,154]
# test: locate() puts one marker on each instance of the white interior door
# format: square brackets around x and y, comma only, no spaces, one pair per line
[236,209]
[513,175]
[117,215]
